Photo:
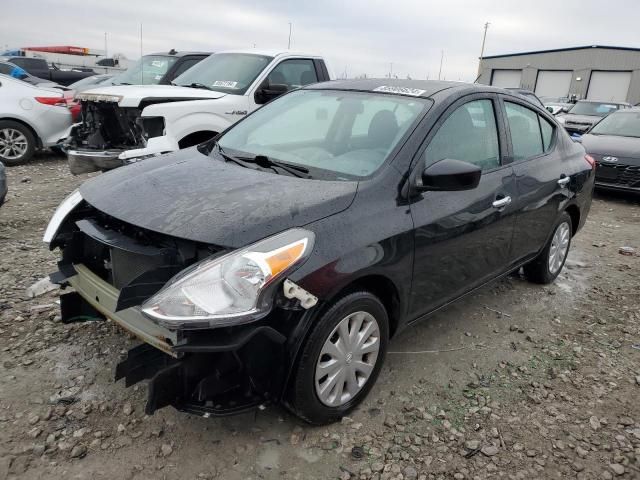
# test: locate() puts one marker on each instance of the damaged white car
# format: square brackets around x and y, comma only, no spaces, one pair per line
[125,123]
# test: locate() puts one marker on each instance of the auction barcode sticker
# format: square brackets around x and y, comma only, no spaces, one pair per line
[415,92]
[224,84]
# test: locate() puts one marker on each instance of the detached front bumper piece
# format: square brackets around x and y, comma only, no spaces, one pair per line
[207,372]
[86,161]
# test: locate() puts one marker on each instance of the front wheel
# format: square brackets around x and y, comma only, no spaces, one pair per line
[341,359]
[548,264]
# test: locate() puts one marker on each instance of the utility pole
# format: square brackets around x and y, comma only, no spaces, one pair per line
[106,52]
[141,64]
[289,44]
[391,70]
[441,60]
[484,39]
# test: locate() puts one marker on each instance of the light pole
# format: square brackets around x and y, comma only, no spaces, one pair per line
[441,60]
[289,44]
[484,39]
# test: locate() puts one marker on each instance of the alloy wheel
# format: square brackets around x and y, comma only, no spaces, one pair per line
[559,247]
[347,359]
[13,144]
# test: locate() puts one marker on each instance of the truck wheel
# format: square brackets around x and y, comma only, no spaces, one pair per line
[341,359]
[17,143]
[548,264]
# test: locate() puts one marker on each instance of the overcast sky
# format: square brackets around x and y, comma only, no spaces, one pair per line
[359,36]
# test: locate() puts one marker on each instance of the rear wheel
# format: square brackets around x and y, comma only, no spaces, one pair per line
[17,143]
[341,359]
[548,264]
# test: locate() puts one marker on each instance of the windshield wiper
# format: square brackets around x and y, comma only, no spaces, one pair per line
[229,158]
[265,162]
[124,83]
[195,85]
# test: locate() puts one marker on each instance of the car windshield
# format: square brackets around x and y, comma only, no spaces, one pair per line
[149,70]
[595,109]
[334,134]
[225,72]
[623,124]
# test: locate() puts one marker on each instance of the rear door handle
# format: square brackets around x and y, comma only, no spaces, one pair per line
[501,202]
[563,181]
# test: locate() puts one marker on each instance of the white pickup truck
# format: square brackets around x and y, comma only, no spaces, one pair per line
[126,122]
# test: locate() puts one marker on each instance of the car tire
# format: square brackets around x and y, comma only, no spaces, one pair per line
[23,143]
[361,312]
[548,264]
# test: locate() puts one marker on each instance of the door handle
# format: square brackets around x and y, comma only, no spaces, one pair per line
[501,202]
[563,181]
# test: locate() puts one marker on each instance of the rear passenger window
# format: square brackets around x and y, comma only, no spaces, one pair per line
[526,137]
[468,134]
[547,133]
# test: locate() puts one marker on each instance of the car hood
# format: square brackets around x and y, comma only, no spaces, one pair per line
[189,195]
[591,119]
[612,145]
[132,95]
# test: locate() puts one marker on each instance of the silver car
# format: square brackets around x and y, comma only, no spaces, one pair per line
[32,118]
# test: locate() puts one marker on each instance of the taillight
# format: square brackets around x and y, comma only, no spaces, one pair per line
[56,101]
[591,161]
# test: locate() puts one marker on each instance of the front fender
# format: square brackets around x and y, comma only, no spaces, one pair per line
[184,118]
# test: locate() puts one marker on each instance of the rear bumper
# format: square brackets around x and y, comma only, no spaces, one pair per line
[616,186]
[210,373]
[86,161]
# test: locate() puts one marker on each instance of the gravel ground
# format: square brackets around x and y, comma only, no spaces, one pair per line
[517,381]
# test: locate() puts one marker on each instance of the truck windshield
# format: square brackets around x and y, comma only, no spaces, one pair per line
[149,70]
[337,135]
[225,72]
[595,109]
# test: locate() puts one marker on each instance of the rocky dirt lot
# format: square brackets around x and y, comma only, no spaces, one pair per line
[517,381]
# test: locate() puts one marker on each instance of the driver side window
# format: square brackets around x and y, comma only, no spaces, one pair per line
[468,134]
[293,73]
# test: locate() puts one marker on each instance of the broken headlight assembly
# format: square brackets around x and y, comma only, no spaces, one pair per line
[65,207]
[232,289]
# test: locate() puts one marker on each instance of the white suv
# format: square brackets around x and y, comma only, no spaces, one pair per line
[121,123]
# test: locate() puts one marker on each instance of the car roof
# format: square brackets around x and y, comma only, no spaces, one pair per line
[605,102]
[272,52]
[414,88]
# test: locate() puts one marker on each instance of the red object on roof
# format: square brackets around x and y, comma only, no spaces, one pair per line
[69,50]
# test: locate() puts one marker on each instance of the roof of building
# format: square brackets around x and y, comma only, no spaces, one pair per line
[567,49]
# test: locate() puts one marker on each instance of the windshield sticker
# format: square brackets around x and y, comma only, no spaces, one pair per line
[414,92]
[157,63]
[224,84]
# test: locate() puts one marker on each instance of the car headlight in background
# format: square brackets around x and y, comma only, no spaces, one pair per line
[231,289]
[67,205]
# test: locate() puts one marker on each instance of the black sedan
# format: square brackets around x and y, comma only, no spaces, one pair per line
[276,262]
[614,143]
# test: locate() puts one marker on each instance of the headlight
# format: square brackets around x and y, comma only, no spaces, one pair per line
[232,289]
[67,205]
[561,120]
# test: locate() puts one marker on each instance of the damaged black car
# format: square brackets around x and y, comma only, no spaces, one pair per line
[274,263]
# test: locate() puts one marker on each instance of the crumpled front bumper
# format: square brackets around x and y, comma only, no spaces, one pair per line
[211,373]
[86,161]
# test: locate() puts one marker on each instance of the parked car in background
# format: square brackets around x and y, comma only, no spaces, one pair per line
[38,67]
[90,82]
[132,122]
[586,113]
[557,105]
[158,68]
[30,118]
[528,94]
[614,143]
[3,183]
[8,68]
[275,262]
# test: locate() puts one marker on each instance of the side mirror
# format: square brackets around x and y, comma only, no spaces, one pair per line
[449,175]
[270,91]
